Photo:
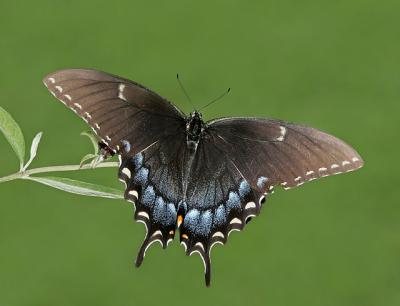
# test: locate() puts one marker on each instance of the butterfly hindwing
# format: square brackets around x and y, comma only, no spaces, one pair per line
[153,179]
[218,201]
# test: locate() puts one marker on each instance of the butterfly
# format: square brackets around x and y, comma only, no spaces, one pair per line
[202,179]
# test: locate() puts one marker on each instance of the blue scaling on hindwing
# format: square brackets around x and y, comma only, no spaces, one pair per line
[244,188]
[198,223]
[138,160]
[220,215]
[261,181]
[191,219]
[164,213]
[233,202]
[141,176]
[171,213]
[205,222]
[148,196]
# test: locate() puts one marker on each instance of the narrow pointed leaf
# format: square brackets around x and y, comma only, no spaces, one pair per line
[98,160]
[11,130]
[34,147]
[79,187]
[87,157]
[94,141]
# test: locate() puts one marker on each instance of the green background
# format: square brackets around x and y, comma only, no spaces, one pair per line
[333,65]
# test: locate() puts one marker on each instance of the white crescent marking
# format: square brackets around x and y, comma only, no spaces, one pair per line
[200,245]
[134,193]
[143,214]
[250,205]
[218,234]
[156,233]
[127,172]
[236,221]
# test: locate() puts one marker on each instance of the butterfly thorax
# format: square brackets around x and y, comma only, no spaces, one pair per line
[194,129]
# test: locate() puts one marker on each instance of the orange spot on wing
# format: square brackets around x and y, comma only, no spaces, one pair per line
[180,220]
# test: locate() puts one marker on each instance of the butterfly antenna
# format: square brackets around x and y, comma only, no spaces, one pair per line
[216,99]
[184,91]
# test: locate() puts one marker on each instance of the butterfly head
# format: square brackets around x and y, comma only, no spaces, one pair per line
[195,114]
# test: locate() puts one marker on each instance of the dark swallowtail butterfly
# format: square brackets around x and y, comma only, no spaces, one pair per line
[205,179]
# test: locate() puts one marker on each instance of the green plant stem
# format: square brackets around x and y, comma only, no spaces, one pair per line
[27,173]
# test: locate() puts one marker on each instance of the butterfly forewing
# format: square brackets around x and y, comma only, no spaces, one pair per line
[117,109]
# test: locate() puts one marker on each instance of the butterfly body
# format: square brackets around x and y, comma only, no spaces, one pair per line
[194,130]
[203,179]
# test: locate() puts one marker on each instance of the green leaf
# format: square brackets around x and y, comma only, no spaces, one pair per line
[93,139]
[98,160]
[79,187]
[87,157]
[13,134]
[34,147]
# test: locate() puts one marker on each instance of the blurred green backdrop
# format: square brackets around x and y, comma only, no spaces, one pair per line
[333,65]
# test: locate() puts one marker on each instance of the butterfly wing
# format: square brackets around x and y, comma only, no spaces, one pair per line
[237,164]
[218,200]
[144,129]
[117,109]
[278,152]
[153,179]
